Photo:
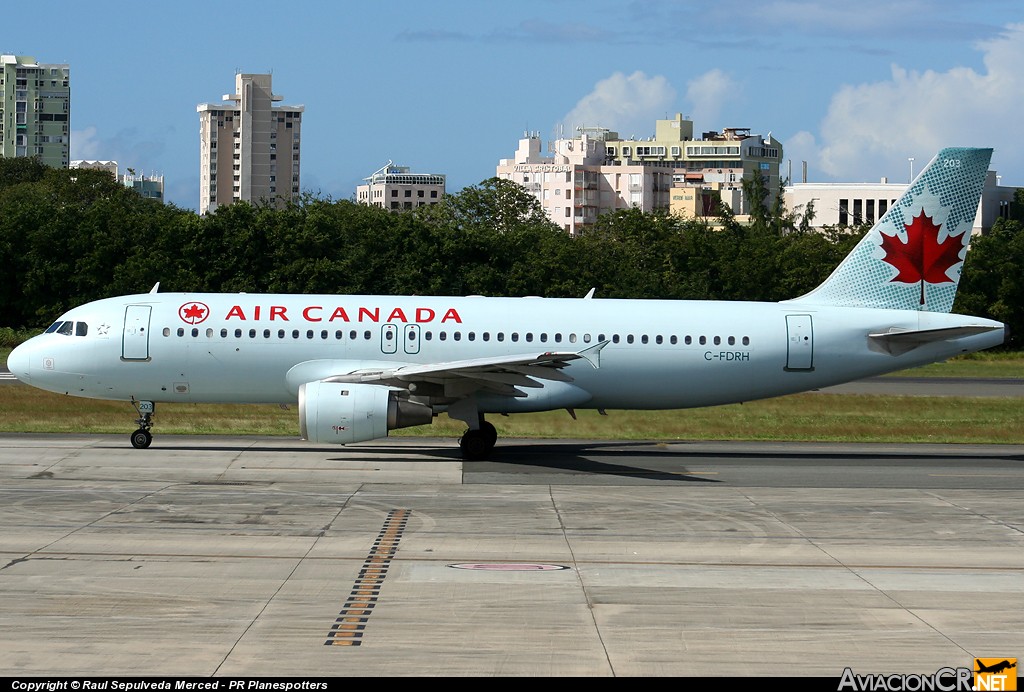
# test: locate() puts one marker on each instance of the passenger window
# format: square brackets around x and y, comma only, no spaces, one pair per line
[309,333]
[457,336]
[529,336]
[323,334]
[673,339]
[280,333]
[586,338]
[543,338]
[486,336]
[353,335]
[295,333]
[515,336]
[428,335]
[443,336]
[600,337]
[629,338]
[558,338]
[615,338]
[167,331]
[338,334]
[703,340]
[238,334]
[209,333]
[501,336]
[181,331]
[643,339]
[572,338]
[688,340]
[367,335]
[658,339]
[266,333]
[718,340]
[223,333]
[732,340]
[252,333]
[746,341]
[472,336]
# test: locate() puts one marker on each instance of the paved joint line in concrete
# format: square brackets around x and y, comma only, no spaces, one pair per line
[350,624]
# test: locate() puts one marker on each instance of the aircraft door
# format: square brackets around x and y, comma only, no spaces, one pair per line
[135,340]
[412,338]
[389,338]
[800,351]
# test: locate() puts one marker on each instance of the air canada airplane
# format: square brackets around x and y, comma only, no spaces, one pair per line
[359,366]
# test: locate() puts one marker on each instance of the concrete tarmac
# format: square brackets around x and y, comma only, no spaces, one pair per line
[249,556]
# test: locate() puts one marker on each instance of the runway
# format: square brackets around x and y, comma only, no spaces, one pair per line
[265,556]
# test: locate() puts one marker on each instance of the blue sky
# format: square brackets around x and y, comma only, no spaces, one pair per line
[853,88]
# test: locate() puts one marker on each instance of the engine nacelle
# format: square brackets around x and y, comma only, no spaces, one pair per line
[340,413]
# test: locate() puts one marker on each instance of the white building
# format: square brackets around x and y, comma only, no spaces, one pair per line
[395,187]
[250,149]
[852,204]
[150,186]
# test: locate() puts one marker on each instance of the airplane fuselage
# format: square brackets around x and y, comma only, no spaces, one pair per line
[659,354]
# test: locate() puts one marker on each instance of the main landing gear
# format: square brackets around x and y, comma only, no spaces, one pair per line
[142,438]
[477,443]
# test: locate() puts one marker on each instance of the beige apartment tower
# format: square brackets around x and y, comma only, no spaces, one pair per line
[35,110]
[249,148]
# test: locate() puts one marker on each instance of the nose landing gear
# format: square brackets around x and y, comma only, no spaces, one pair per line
[142,438]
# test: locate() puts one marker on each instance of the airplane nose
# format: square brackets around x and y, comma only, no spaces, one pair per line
[18,363]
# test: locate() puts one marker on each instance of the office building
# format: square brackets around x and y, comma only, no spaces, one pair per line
[249,148]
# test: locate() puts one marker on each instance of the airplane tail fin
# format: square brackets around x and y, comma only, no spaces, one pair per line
[912,257]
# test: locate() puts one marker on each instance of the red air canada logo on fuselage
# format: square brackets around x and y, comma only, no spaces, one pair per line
[322,313]
[193,313]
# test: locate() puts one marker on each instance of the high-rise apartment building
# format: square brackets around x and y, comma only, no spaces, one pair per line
[249,149]
[597,171]
[35,113]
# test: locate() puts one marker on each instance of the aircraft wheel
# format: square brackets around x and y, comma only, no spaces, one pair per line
[489,432]
[141,438]
[475,445]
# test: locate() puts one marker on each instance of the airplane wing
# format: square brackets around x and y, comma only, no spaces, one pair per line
[503,375]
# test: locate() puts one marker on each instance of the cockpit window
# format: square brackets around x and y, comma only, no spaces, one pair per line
[68,328]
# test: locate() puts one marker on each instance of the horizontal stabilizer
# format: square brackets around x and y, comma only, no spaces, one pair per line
[898,342]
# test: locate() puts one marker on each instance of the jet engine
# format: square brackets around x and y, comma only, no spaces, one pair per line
[340,413]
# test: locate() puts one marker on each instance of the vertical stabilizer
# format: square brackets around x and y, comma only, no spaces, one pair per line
[912,257]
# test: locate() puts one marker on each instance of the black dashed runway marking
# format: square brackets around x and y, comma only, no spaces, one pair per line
[348,629]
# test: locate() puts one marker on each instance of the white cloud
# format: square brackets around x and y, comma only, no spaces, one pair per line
[84,145]
[708,93]
[628,105]
[871,130]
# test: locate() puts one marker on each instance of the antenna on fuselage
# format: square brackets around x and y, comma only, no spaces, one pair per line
[156,288]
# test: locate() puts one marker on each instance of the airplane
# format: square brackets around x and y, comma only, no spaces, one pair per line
[359,366]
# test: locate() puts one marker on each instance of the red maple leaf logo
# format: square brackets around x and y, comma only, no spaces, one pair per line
[193,313]
[922,258]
